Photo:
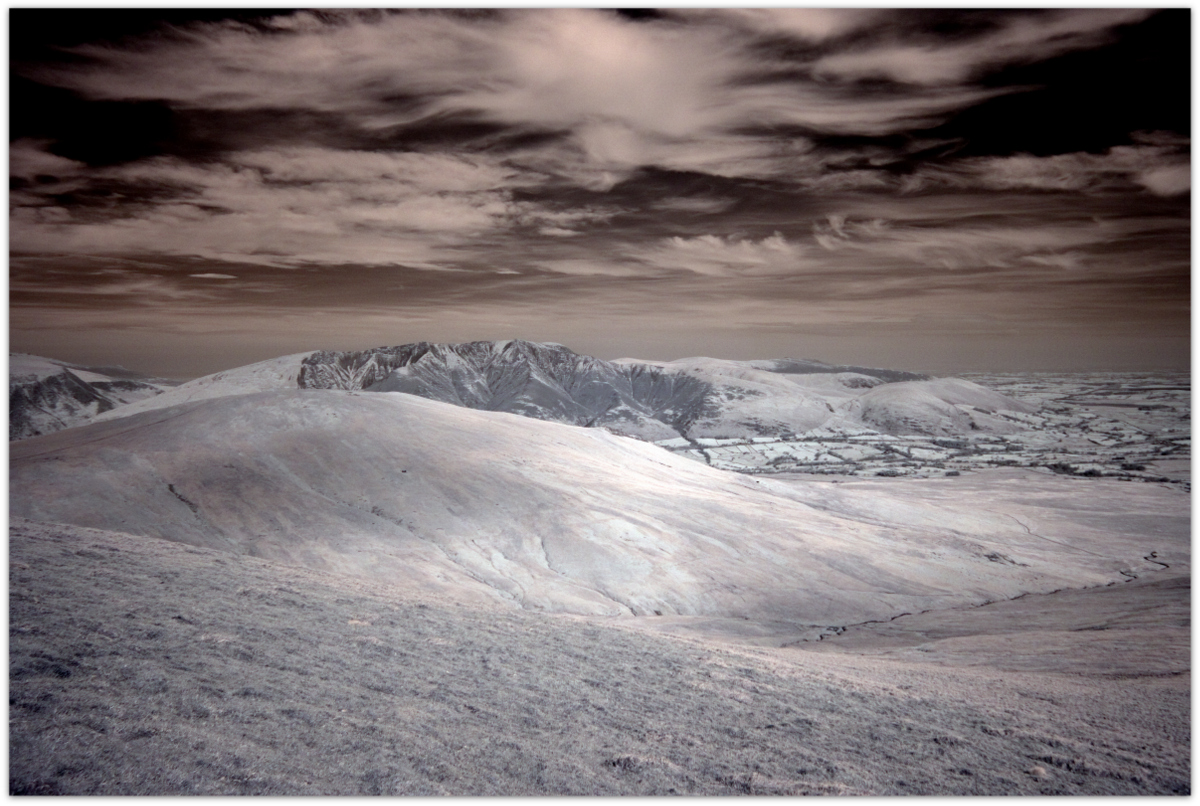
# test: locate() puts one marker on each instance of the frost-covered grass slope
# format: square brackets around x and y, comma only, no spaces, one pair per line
[420,493]
[144,667]
[46,395]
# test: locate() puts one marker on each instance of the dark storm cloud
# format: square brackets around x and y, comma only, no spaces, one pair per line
[760,166]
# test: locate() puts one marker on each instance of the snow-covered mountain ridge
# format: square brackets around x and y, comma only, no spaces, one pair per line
[690,398]
[681,401]
[45,395]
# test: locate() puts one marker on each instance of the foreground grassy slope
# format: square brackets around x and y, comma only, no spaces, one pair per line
[141,666]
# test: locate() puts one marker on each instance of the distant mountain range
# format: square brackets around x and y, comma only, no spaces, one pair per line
[45,395]
[688,399]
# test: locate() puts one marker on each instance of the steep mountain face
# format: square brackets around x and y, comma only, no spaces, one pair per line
[549,516]
[745,402]
[543,381]
[46,395]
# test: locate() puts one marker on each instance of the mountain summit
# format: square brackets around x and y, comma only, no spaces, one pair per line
[543,381]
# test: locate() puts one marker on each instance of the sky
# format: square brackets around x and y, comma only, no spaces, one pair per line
[934,190]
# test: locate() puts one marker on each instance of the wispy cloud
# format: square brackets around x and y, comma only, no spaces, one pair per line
[1161,165]
[806,24]
[716,256]
[286,206]
[693,204]
[30,159]
[1016,39]
[931,244]
[696,92]
[685,93]
[127,287]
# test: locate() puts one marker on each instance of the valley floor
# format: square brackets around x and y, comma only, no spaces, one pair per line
[140,666]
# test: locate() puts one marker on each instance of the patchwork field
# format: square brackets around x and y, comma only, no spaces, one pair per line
[1130,426]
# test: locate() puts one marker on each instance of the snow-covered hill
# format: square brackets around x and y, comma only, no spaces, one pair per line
[273,374]
[550,516]
[45,395]
[940,407]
